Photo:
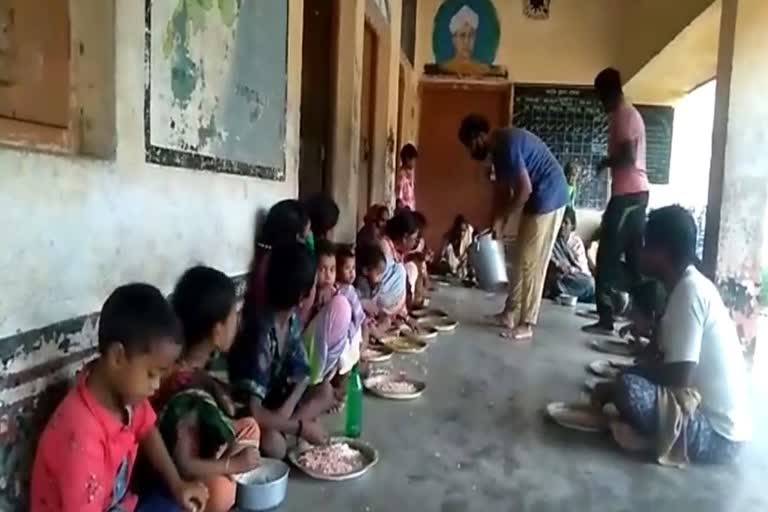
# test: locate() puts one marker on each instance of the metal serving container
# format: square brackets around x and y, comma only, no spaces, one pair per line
[263,488]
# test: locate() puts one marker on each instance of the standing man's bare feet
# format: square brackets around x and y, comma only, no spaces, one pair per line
[502,319]
[522,332]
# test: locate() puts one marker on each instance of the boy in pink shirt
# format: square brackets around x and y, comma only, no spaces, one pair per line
[621,231]
[87,451]
[406,186]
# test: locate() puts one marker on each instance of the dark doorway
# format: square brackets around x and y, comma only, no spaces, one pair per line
[367,113]
[317,76]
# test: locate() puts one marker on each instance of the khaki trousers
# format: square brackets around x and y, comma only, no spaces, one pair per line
[535,240]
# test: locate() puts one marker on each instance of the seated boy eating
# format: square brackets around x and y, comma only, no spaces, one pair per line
[87,451]
[268,365]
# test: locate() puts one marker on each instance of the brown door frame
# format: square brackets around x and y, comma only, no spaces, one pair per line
[379,28]
[332,49]
[502,90]
[368,132]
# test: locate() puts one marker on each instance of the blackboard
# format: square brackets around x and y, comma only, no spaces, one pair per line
[572,122]
[658,136]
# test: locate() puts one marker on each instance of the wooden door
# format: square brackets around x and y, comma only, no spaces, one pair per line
[367,109]
[448,181]
[317,77]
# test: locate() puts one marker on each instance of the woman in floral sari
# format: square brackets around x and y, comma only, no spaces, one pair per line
[195,413]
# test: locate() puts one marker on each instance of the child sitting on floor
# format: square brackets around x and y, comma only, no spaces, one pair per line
[325,253]
[195,411]
[372,263]
[454,255]
[346,273]
[326,336]
[87,451]
[358,328]
[268,366]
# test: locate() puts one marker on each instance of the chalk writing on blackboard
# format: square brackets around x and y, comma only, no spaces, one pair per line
[572,122]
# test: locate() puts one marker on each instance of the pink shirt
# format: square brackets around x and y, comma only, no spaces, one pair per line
[626,124]
[86,454]
[405,188]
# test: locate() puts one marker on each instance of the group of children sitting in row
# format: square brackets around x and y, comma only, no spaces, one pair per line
[308,310]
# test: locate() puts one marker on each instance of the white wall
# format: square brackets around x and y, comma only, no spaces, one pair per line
[75,228]
[691,152]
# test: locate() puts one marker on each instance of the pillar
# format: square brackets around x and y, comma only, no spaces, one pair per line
[738,188]
[346,116]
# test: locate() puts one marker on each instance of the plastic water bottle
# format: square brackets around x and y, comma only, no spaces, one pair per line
[354,425]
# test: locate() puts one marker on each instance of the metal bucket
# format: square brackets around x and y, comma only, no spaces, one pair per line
[263,488]
[488,259]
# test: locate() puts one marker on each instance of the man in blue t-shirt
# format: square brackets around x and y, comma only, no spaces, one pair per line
[532,188]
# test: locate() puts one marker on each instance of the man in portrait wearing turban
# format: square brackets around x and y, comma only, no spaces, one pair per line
[463,27]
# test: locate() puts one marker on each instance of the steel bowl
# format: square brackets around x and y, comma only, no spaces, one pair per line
[263,488]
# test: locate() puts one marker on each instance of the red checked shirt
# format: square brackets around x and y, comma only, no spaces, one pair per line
[86,454]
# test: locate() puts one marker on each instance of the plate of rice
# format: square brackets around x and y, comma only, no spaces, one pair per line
[394,387]
[426,312]
[341,459]
[404,344]
[376,354]
[422,332]
[439,323]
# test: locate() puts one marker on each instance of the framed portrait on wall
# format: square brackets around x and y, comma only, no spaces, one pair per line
[465,39]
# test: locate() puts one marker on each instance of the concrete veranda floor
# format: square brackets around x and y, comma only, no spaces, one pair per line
[477,440]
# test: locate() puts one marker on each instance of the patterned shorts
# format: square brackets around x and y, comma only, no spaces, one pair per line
[636,402]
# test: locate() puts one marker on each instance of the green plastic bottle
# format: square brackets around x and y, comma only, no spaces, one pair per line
[354,425]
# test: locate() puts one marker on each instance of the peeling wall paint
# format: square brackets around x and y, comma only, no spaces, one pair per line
[738,192]
[74,228]
[216,85]
[740,295]
[38,367]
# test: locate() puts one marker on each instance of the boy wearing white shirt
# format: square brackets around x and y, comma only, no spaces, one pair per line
[699,349]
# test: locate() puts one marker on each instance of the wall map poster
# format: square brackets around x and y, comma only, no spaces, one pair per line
[216,85]
[465,39]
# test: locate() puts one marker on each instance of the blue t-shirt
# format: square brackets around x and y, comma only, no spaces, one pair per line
[517,150]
